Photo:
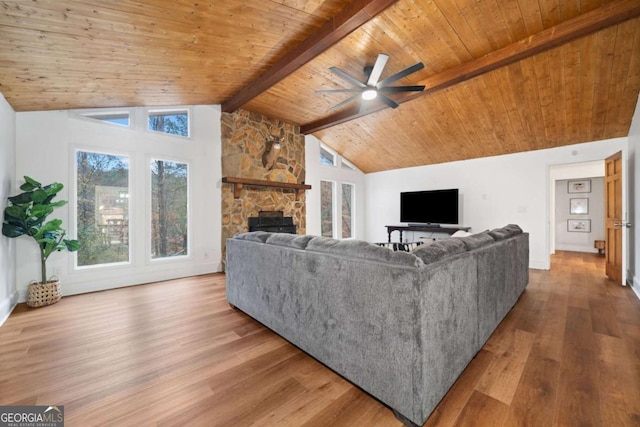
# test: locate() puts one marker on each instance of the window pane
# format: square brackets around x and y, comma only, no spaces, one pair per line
[326,158]
[173,122]
[347,210]
[103,208]
[347,165]
[326,206]
[116,118]
[169,209]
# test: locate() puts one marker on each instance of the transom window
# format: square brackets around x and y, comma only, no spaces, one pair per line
[347,165]
[117,118]
[327,157]
[174,122]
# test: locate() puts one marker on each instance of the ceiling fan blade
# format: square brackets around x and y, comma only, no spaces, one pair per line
[376,72]
[388,101]
[339,90]
[401,74]
[346,101]
[347,77]
[392,89]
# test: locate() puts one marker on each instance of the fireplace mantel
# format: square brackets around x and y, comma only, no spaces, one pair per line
[239,183]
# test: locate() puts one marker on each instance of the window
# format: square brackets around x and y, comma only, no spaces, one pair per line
[326,208]
[346,165]
[326,157]
[102,208]
[169,209]
[174,122]
[118,118]
[348,203]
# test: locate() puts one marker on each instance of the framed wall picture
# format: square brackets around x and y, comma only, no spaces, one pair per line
[579,206]
[580,186]
[580,225]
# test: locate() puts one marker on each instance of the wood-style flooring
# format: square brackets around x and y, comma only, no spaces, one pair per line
[175,354]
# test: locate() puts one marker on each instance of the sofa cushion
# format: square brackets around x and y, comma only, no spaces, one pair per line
[254,236]
[476,241]
[290,240]
[363,250]
[514,229]
[440,249]
[500,234]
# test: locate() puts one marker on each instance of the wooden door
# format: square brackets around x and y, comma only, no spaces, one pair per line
[613,209]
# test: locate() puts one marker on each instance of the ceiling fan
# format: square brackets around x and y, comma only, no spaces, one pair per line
[374,87]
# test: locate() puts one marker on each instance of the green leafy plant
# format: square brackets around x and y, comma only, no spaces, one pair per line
[27,215]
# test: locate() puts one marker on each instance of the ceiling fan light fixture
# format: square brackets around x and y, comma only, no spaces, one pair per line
[369,94]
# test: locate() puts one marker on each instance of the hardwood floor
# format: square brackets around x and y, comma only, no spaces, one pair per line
[174,353]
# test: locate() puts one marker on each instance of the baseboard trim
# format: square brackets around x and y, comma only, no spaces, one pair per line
[538,264]
[577,248]
[635,285]
[7,306]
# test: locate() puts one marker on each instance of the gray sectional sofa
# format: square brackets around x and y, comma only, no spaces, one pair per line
[401,326]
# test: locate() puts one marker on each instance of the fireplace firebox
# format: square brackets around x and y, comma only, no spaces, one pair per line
[272,221]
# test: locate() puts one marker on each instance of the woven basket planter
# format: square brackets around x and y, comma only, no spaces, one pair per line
[41,294]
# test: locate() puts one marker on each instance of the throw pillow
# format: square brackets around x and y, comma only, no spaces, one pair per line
[404,247]
[439,250]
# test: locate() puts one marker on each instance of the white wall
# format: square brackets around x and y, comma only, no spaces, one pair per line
[633,170]
[338,174]
[45,150]
[495,191]
[8,292]
[574,240]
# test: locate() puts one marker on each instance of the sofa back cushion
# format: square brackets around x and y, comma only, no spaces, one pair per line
[500,234]
[439,250]
[254,236]
[476,241]
[363,250]
[289,240]
[513,229]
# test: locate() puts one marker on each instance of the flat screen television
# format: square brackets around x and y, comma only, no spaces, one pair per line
[429,207]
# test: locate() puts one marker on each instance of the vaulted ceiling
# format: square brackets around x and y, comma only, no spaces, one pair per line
[501,76]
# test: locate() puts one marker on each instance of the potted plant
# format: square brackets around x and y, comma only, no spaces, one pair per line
[26,215]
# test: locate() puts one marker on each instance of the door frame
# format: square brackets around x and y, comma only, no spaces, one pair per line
[554,175]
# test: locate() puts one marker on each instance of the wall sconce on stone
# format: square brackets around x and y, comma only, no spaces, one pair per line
[272,150]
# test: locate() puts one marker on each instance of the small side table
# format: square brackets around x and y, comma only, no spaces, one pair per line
[600,246]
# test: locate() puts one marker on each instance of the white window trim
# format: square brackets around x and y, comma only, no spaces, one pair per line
[330,151]
[349,165]
[150,110]
[86,115]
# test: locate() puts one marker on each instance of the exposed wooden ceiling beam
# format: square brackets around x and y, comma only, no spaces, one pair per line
[344,23]
[588,23]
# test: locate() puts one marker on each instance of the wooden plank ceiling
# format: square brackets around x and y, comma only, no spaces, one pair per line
[58,54]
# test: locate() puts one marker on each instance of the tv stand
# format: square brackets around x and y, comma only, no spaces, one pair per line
[433,228]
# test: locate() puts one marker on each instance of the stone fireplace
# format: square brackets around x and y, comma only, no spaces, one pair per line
[245,137]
